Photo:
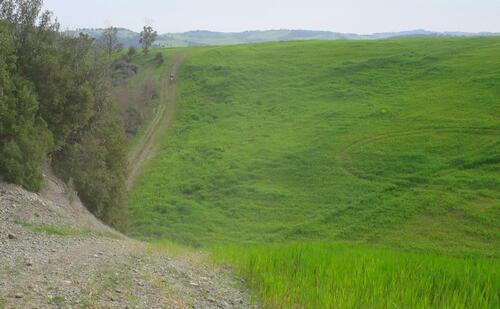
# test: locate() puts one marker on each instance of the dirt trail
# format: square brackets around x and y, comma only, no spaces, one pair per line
[145,149]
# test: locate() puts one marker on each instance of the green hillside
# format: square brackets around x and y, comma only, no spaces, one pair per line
[202,38]
[390,146]
[387,141]
[205,38]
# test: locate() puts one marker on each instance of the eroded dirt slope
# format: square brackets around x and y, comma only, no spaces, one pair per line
[55,254]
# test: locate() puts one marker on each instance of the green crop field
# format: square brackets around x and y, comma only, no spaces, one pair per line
[390,145]
[356,276]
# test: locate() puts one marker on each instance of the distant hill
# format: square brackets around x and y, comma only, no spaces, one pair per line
[127,37]
[202,38]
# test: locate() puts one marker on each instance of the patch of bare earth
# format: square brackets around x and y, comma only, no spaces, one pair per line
[55,254]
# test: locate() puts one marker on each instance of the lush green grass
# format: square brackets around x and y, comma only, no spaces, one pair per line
[393,143]
[390,141]
[354,276]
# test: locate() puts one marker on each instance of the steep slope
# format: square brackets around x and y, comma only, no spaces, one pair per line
[54,253]
[281,151]
[392,142]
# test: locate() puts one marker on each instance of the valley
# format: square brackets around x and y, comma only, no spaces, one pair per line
[288,160]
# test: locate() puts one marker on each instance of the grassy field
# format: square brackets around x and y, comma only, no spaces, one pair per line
[357,276]
[394,144]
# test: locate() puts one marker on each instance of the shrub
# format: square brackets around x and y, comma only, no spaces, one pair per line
[54,94]
[159,58]
[24,137]
[126,58]
[96,163]
[132,51]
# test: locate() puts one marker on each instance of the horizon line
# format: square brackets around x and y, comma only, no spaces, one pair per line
[290,29]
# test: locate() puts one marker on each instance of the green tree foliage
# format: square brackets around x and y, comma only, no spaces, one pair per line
[54,102]
[148,36]
[109,40]
[57,66]
[94,157]
[96,161]
[24,137]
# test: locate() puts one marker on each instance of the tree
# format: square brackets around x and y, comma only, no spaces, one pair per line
[95,155]
[148,36]
[25,139]
[109,40]
[55,102]
[96,161]
[56,66]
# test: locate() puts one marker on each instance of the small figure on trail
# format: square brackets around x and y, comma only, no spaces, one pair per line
[172,76]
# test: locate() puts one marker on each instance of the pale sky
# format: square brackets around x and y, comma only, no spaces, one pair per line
[356,16]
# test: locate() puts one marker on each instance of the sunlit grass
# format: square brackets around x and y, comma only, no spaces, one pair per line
[390,143]
[171,248]
[331,141]
[357,276]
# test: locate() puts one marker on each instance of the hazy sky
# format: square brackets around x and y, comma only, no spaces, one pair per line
[359,16]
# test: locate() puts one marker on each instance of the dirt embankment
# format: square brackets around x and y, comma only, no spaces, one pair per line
[55,254]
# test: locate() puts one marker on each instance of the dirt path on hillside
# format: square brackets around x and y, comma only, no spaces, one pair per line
[146,147]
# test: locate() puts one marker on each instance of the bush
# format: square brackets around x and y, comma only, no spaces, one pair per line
[54,94]
[119,64]
[159,58]
[133,68]
[24,138]
[133,121]
[126,58]
[132,51]
[96,163]
[122,70]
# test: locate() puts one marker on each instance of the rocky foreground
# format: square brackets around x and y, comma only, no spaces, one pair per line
[55,254]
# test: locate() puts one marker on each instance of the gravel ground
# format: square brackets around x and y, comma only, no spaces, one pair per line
[55,254]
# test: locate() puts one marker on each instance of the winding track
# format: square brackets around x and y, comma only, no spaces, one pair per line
[341,156]
[167,109]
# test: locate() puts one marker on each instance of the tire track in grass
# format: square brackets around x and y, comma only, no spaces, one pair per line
[147,146]
[341,156]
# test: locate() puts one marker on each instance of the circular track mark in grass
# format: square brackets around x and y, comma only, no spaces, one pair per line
[440,132]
